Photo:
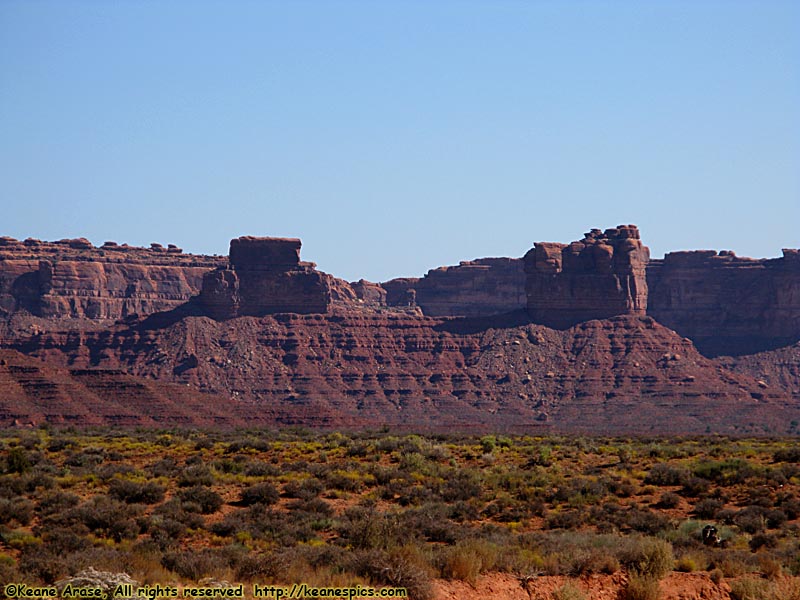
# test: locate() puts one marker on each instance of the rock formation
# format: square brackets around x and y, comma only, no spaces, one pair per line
[601,276]
[123,335]
[71,279]
[477,288]
[265,276]
[727,304]
[366,369]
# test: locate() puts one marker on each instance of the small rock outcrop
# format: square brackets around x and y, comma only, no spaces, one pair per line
[600,276]
[265,276]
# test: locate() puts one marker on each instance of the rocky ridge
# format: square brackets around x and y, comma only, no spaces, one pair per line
[282,342]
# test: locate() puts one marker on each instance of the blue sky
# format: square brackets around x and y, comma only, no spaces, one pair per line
[397,136]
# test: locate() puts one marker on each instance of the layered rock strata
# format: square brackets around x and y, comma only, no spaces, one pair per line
[265,276]
[71,279]
[600,276]
[367,369]
[727,304]
[477,288]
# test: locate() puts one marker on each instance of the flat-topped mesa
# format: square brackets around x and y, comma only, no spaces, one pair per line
[72,280]
[600,276]
[265,253]
[265,276]
[725,303]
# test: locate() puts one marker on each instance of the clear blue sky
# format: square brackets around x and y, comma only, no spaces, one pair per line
[397,136]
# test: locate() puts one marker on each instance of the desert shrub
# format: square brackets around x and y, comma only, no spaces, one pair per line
[165,531]
[367,529]
[716,575]
[763,540]
[176,510]
[259,468]
[195,474]
[8,573]
[108,518]
[752,519]
[585,561]
[693,486]
[568,591]
[135,493]
[190,565]
[462,485]
[789,455]
[260,493]
[205,498]
[641,588]
[89,458]
[106,472]
[166,467]
[644,520]
[669,500]
[647,557]
[403,567]
[751,588]
[42,563]
[665,474]
[707,508]
[17,461]
[304,489]
[430,522]
[19,510]
[790,506]
[258,567]
[571,519]
[314,506]
[58,444]
[261,522]
[468,559]
[775,518]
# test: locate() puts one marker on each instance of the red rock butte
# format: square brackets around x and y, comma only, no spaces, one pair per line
[590,336]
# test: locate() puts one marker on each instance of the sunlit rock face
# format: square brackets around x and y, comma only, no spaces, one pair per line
[600,276]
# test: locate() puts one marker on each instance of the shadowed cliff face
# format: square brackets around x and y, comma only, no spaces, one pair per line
[726,304]
[265,276]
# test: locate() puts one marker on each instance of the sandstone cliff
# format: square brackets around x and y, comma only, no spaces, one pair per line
[477,288]
[71,279]
[265,276]
[285,343]
[601,276]
[727,304]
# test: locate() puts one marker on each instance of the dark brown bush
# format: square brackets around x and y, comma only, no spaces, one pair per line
[207,500]
[196,475]
[260,493]
[135,493]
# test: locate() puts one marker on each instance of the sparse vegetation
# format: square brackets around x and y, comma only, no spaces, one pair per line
[280,506]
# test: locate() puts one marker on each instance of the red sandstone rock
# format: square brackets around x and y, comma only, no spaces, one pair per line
[33,392]
[362,354]
[266,276]
[483,287]
[347,369]
[601,276]
[371,294]
[72,281]
[727,304]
